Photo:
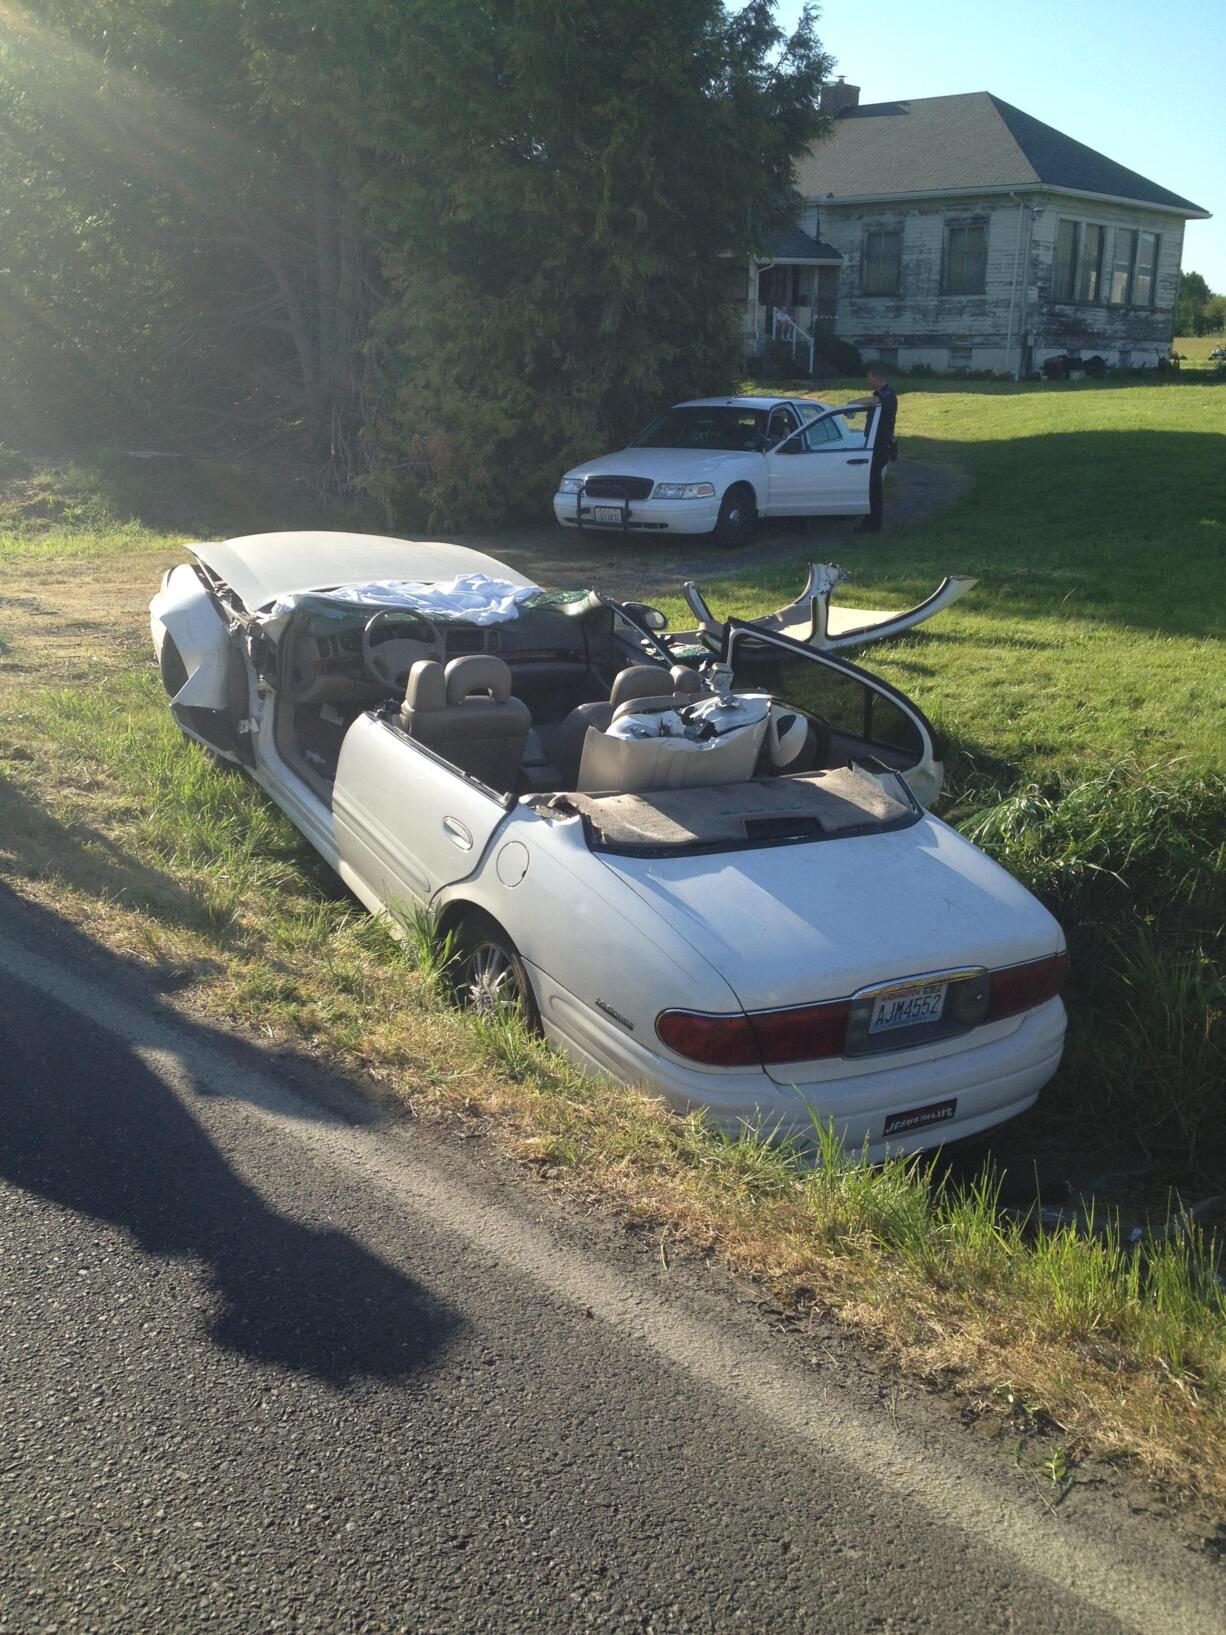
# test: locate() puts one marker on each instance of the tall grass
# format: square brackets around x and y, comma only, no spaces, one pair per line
[1133,864]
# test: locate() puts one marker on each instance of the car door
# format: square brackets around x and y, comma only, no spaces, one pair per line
[867,719]
[406,823]
[823,469]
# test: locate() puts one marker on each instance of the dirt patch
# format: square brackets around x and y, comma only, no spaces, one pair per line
[70,619]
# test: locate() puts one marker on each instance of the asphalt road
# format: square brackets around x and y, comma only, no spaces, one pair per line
[269,1363]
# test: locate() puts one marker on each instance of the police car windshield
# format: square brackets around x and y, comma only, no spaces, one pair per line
[720,427]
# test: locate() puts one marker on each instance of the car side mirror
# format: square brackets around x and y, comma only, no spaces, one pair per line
[650,617]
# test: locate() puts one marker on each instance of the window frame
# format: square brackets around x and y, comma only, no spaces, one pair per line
[1093,297]
[1062,290]
[866,260]
[978,224]
[1151,276]
[1124,300]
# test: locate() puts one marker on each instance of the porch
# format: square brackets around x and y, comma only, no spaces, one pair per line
[792,299]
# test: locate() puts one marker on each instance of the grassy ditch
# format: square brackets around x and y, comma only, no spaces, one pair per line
[1133,864]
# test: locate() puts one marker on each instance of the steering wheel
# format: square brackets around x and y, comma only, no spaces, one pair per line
[385,638]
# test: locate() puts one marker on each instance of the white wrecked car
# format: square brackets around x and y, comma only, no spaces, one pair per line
[719,883]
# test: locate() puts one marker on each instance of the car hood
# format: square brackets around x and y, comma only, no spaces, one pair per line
[262,568]
[663,464]
[793,924]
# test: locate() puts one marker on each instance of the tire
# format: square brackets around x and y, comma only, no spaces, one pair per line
[488,975]
[738,517]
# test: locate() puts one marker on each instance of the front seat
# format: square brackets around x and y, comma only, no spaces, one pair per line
[466,714]
[636,681]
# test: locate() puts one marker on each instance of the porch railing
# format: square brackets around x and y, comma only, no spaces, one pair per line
[785,328]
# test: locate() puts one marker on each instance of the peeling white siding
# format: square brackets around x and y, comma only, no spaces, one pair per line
[1013,325]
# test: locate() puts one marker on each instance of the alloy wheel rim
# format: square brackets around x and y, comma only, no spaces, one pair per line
[491,986]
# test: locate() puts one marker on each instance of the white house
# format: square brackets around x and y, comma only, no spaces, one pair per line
[960,233]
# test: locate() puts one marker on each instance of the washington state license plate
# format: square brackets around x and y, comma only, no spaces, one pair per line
[908,1007]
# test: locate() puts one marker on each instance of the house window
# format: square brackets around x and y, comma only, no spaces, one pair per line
[887,357]
[1143,272]
[960,359]
[1078,265]
[966,258]
[1090,262]
[1064,269]
[882,263]
[1121,264]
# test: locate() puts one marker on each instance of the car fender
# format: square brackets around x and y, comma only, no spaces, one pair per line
[752,472]
[184,610]
[585,928]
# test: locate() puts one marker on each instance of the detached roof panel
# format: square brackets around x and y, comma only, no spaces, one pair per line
[961,144]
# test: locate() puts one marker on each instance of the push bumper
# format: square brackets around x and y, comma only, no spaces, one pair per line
[637,516]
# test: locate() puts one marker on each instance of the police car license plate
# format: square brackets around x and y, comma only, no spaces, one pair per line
[607,513]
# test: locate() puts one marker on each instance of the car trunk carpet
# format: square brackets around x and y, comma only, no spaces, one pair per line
[812,805]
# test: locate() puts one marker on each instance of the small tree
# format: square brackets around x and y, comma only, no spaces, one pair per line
[1194,293]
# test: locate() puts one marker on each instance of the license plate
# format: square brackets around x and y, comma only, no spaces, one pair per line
[908,1007]
[607,513]
[919,1118]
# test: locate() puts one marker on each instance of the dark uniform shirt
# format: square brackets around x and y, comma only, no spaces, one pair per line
[888,399]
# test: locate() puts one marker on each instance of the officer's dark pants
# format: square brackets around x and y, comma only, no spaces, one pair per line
[875,500]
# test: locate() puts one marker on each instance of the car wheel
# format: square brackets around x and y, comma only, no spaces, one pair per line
[488,976]
[738,516]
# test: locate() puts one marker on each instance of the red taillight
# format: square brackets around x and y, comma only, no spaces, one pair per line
[719,1041]
[1021,988]
[801,1034]
[796,1035]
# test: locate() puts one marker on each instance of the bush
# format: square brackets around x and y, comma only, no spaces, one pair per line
[835,357]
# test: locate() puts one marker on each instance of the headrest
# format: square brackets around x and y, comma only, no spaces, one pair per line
[427,687]
[646,706]
[685,680]
[638,681]
[478,673]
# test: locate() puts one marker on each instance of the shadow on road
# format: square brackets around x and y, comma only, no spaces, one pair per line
[86,1123]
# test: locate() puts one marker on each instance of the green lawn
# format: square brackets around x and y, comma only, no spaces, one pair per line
[1096,524]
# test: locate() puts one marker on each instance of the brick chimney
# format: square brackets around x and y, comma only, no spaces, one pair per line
[838,97]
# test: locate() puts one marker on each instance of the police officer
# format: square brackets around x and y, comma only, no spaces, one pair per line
[885,400]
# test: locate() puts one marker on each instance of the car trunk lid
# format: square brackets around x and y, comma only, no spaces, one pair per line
[803,924]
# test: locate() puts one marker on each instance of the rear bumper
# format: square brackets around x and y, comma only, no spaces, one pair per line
[990,1082]
[645,516]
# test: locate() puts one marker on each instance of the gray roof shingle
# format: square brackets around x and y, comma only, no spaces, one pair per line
[962,144]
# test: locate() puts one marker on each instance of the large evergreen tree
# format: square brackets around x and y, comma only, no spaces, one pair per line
[461,242]
[569,196]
